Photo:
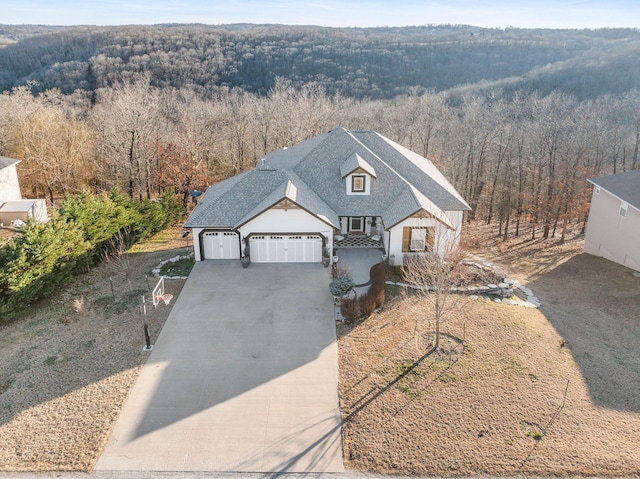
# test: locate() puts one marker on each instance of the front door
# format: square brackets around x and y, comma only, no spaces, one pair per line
[356,225]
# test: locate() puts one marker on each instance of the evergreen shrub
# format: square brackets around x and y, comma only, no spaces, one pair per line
[45,256]
[36,262]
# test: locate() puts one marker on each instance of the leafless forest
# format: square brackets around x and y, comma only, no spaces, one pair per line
[517,155]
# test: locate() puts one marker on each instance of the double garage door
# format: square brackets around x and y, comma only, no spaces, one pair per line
[286,248]
[273,248]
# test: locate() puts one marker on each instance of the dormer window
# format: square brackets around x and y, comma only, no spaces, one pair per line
[358,175]
[358,183]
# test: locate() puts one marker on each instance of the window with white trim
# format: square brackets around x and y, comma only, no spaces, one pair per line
[418,239]
[356,224]
[358,183]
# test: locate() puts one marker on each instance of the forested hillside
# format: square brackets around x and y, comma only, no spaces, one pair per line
[374,63]
[517,119]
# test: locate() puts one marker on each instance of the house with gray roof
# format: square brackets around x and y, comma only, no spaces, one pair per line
[341,189]
[613,227]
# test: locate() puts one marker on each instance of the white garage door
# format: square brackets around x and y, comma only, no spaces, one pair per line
[286,248]
[220,245]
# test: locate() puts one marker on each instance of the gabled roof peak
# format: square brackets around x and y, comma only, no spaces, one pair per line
[355,162]
[291,191]
[625,186]
[4,162]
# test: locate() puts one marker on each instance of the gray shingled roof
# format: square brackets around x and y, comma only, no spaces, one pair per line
[233,202]
[404,183]
[416,169]
[4,162]
[625,186]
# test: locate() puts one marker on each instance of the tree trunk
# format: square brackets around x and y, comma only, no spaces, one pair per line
[437,317]
[131,161]
[506,224]
[148,178]
[565,222]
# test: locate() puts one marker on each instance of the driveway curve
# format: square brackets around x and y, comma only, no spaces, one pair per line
[243,378]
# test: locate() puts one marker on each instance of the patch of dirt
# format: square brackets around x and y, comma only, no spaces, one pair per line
[521,257]
[552,391]
[68,365]
[5,235]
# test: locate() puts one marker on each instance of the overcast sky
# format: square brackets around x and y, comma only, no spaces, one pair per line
[335,13]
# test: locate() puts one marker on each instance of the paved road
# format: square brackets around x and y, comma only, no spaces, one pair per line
[243,378]
[210,475]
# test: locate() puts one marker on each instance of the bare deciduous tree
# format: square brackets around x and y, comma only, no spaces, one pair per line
[432,278]
[116,255]
[127,121]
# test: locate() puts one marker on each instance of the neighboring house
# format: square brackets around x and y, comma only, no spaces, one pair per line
[613,228]
[341,189]
[9,186]
[12,206]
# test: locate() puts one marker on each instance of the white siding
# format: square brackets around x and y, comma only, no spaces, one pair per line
[367,184]
[611,235]
[446,239]
[292,221]
[195,232]
[9,186]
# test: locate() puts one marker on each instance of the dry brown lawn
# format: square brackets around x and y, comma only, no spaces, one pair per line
[68,365]
[5,235]
[554,391]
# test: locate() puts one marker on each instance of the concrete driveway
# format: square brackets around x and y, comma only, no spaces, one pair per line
[243,377]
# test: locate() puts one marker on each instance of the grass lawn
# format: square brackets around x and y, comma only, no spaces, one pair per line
[68,365]
[552,391]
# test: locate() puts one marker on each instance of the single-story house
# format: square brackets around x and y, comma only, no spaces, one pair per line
[613,227]
[12,206]
[340,189]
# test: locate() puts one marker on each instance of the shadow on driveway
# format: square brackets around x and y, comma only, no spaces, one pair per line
[243,377]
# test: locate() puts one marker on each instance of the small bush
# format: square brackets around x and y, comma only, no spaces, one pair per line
[350,309]
[367,304]
[341,286]
[379,273]
[378,298]
[374,297]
